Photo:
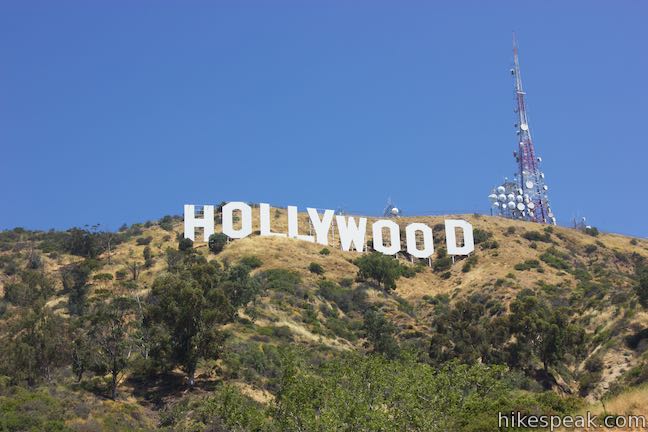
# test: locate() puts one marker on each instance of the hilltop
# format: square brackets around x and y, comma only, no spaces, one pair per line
[315,299]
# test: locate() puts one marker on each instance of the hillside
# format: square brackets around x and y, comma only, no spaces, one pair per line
[313,300]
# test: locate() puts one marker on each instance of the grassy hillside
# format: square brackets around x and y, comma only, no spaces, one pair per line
[312,304]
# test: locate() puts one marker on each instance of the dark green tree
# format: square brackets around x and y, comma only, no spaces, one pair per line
[185,244]
[641,287]
[34,286]
[188,308]
[380,332]
[382,269]
[541,332]
[217,242]
[35,346]
[110,326]
[469,332]
[148,257]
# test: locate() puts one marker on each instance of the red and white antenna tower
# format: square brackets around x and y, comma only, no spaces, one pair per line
[526,197]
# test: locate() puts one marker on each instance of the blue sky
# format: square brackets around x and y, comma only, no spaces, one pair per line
[114,112]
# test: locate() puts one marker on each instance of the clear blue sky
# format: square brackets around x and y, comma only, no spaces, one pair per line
[123,111]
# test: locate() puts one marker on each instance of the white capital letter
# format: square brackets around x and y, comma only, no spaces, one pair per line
[293,226]
[264,216]
[228,220]
[428,242]
[394,236]
[351,233]
[323,226]
[451,237]
[191,223]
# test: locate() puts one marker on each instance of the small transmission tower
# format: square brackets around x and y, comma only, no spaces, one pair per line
[391,210]
[525,198]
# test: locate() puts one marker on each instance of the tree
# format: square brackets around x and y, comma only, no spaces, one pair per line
[134,268]
[380,332]
[110,326]
[641,288]
[166,223]
[217,242]
[188,307]
[360,393]
[34,286]
[75,283]
[467,332]
[148,257]
[81,349]
[541,331]
[384,270]
[35,346]
[185,244]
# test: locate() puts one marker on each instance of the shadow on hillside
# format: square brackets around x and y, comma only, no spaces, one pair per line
[159,389]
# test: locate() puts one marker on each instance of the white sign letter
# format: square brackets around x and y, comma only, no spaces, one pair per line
[351,233]
[228,220]
[323,226]
[394,236]
[293,226]
[264,216]
[428,242]
[451,237]
[191,223]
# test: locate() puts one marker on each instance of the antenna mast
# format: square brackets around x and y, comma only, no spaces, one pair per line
[526,197]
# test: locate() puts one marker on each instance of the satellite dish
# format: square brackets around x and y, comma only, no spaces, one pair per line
[502,197]
[541,175]
[539,159]
[511,205]
[551,215]
[520,206]
[545,187]
[519,198]
[495,204]
[531,206]
[395,211]
[511,197]
[529,184]
[524,126]
[500,189]
[492,197]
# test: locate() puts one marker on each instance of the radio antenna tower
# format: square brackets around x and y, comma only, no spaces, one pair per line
[526,197]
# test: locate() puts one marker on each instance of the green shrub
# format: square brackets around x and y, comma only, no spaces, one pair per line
[527,265]
[555,259]
[251,261]
[143,241]
[103,277]
[166,223]
[185,244]
[469,263]
[280,280]
[593,231]
[442,264]
[537,236]
[324,251]
[316,268]
[217,242]
[480,235]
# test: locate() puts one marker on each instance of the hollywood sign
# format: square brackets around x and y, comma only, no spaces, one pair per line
[351,232]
